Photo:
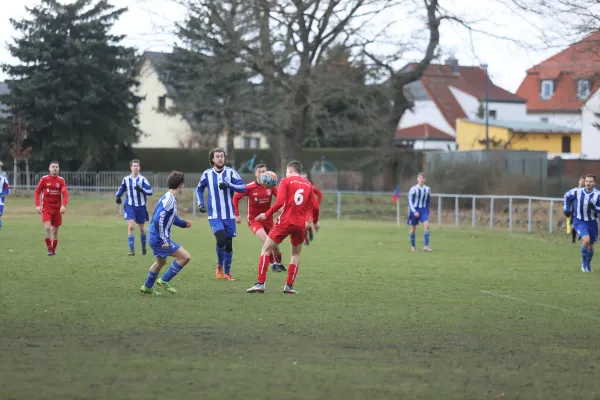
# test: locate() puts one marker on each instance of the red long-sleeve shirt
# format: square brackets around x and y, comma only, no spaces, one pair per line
[259,199]
[296,196]
[54,192]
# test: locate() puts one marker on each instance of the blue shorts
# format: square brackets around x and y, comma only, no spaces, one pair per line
[158,251]
[1,210]
[423,216]
[585,228]
[139,214]
[228,225]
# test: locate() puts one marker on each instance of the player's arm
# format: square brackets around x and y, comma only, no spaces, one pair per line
[237,184]
[411,202]
[146,188]
[315,208]
[65,193]
[163,216]
[236,202]
[428,199]
[281,196]
[38,191]
[179,222]
[200,189]
[568,199]
[5,189]
[319,195]
[122,189]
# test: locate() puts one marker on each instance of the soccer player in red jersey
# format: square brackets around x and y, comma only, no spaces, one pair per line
[309,235]
[259,201]
[53,188]
[296,196]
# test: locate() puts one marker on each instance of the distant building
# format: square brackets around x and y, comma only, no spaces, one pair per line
[446,93]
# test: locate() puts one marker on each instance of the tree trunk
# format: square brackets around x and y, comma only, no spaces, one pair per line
[15,172]
[27,177]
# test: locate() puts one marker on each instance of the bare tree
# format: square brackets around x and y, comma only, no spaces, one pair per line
[18,150]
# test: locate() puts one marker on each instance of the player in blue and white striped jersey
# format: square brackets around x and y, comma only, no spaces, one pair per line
[418,210]
[585,203]
[163,219]
[4,191]
[137,189]
[221,182]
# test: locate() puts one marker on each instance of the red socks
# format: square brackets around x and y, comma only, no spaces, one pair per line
[292,272]
[272,259]
[278,258]
[263,267]
[49,244]
[54,244]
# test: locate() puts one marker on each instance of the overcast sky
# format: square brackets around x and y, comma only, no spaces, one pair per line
[148,22]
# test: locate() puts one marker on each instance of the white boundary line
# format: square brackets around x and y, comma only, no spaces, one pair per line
[550,306]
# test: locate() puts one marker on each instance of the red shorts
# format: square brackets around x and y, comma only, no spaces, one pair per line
[255,226]
[280,232]
[53,216]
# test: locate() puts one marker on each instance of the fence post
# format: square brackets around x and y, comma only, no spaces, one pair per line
[529,216]
[439,210]
[339,205]
[473,213]
[551,223]
[510,212]
[456,209]
[398,212]
[194,202]
[491,213]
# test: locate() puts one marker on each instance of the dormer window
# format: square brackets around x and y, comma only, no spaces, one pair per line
[583,89]
[547,89]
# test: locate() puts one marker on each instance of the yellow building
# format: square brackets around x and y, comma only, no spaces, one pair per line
[518,135]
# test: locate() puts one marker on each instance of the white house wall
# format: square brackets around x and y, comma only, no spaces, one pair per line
[468,103]
[590,135]
[159,130]
[569,120]
[504,111]
[434,145]
[426,112]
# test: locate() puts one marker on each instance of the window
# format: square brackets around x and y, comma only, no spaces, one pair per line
[544,120]
[492,114]
[547,89]
[162,103]
[251,142]
[566,144]
[583,89]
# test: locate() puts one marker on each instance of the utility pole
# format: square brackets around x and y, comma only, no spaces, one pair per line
[487,112]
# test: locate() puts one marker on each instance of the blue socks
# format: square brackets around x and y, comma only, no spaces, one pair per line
[227,261]
[412,239]
[220,255]
[143,239]
[426,239]
[151,279]
[131,240]
[590,255]
[584,255]
[0,224]
[173,270]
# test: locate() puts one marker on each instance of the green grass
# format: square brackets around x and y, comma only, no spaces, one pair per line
[372,320]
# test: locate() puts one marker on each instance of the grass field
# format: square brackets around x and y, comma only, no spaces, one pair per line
[487,315]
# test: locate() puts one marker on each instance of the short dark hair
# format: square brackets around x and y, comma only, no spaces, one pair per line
[53,162]
[591,176]
[134,161]
[421,174]
[260,166]
[296,166]
[212,154]
[175,180]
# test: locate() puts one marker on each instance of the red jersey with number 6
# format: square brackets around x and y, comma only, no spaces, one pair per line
[54,192]
[296,196]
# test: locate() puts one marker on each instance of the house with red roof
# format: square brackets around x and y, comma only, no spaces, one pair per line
[446,93]
[563,90]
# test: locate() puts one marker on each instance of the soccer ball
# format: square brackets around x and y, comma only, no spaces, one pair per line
[269,179]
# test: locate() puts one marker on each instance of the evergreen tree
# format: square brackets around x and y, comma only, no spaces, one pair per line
[74,85]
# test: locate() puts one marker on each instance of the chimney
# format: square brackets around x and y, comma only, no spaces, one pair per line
[453,63]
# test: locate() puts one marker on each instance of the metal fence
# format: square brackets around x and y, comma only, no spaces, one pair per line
[512,213]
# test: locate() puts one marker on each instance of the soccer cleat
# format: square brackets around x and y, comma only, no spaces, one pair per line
[583,267]
[257,288]
[311,235]
[150,291]
[289,289]
[281,268]
[132,253]
[144,251]
[413,249]
[228,277]
[166,285]
[427,249]
[219,272]
[275,267]
[51,253]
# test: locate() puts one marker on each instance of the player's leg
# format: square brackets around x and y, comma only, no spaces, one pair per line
[131,235]
[153,272]
[182,257]
[296,239]
[261,231]
[221,238]
[573,232]
[426,236]
[55,223]
[276,255]
[230,232]
[411,236]
[583,232]
[142,228]
[1,212]
[263,263]
[593,233]
[47,221]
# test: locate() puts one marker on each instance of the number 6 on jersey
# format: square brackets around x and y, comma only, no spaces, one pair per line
[299,197]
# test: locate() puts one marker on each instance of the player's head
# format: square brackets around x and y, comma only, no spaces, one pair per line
[294,168]
[134,166]
[1,165]
[175,181]
[217,158]
[590,181]
[53,168]
[421,178]
[581,181]
[258,171]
